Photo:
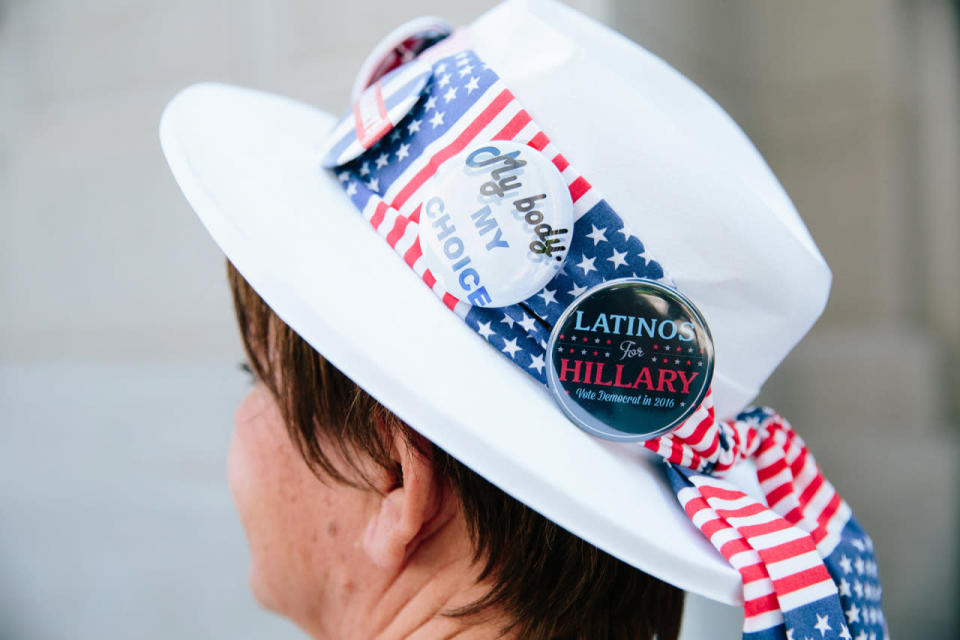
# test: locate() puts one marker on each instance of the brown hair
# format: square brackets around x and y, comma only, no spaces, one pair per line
[550,583]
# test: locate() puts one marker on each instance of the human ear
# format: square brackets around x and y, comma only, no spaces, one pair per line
[407,511]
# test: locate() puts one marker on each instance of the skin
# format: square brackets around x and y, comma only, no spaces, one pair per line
[343,562]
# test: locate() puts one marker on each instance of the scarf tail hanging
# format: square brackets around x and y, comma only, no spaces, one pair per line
[808,568]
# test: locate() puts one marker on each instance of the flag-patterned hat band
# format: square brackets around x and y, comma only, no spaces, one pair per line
[487,211]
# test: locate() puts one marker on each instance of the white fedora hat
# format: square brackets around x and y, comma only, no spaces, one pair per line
[667,158]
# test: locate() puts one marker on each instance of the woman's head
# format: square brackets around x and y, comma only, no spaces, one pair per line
[340,498]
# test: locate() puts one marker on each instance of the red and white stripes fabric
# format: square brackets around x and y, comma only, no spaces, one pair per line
[778,545]
[396,213]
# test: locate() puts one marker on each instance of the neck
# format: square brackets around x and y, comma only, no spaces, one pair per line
[414,603]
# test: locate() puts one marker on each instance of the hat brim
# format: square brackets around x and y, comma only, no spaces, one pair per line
[248,163]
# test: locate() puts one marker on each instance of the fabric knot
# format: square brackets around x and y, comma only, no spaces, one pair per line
[795,547]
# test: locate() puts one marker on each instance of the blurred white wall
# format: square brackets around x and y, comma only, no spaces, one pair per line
[117,346]
[115,517]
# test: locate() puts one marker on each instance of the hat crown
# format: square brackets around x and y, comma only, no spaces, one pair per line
[680,173]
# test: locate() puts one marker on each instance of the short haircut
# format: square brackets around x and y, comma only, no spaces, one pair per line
[550,583]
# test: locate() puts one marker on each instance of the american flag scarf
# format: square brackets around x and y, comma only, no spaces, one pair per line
[808,568]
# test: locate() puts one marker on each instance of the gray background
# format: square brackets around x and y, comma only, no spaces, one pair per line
[118,352]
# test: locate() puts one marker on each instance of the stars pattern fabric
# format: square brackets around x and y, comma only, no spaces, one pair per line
[786,549]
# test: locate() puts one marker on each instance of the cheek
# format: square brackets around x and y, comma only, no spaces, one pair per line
[270,489]
[301,532]
[248,461]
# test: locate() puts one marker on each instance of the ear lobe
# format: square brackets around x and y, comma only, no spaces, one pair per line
[406,514]
[383,539]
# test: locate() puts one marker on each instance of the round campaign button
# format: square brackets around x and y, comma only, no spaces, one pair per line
[380,107]
[630,360]
[496,223]
[400,46]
